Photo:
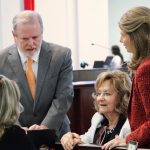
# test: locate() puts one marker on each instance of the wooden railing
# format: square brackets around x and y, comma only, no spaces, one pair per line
[58,146]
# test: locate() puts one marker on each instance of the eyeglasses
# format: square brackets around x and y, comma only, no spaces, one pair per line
[96,94]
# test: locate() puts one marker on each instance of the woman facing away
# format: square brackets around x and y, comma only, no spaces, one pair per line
[135,36]
[110,100]
[11,135]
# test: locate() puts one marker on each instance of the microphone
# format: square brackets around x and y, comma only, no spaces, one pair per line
[95,44]
[83,64]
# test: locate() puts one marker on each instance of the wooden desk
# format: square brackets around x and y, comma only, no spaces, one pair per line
[90,74]
[82,109]
[58,146]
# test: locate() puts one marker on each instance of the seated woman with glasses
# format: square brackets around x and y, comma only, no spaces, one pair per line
[111,101]
[11,135]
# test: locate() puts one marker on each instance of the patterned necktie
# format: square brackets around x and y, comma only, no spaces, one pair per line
[30,77]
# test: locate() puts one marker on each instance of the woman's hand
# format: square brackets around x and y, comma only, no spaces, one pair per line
[69,140]
[117,141]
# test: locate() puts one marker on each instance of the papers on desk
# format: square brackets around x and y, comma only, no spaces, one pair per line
[121,147]
[89,145]
[83,83]
[98,146]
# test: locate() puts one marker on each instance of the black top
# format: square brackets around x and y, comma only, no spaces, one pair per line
[103,135]
[15,138]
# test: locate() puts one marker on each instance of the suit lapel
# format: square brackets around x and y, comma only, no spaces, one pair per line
[15,63]
[43,67]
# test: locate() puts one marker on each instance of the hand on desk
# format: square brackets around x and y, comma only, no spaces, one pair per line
[117,141]
[35,127]
[69,140]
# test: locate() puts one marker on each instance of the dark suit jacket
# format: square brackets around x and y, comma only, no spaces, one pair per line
[14,138]
[54,90]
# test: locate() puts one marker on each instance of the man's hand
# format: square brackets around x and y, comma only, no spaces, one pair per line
[37,127]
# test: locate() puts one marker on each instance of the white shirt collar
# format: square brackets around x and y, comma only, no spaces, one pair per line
[24,58]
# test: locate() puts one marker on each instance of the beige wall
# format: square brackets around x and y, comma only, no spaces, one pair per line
[74,23]
[8,9]
[77,25]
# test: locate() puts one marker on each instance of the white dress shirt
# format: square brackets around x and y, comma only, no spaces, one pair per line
[35,59]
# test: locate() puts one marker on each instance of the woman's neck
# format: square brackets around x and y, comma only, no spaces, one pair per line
[112,120]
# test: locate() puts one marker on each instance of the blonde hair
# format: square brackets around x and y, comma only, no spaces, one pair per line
[122,85]
[9,103]
[136,23]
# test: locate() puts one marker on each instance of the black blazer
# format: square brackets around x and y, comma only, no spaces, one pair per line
[15,138]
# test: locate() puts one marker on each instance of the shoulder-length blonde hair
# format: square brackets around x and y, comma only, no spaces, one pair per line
[9,103]
[136,23]
[122,85]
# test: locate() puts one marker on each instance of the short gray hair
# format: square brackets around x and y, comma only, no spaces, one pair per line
[25,17]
